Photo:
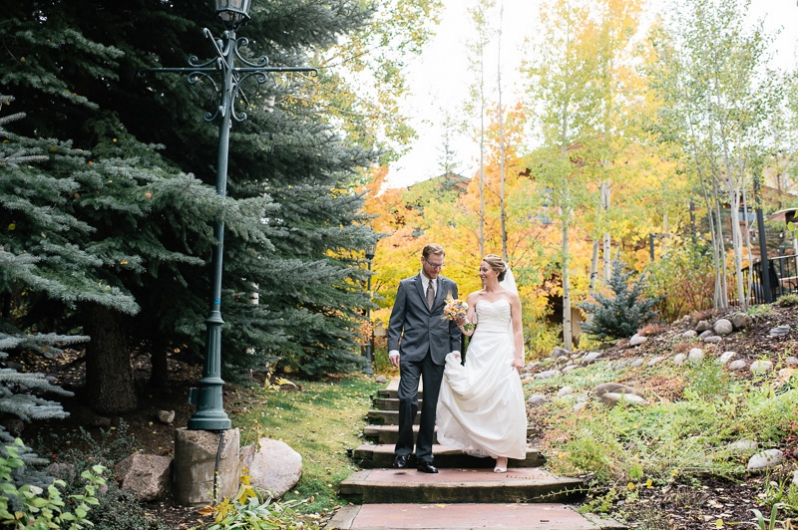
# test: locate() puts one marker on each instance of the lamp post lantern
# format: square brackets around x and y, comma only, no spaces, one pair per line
[370,251]
[208,396]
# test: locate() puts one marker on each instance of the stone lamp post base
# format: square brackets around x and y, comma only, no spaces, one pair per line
[194,466]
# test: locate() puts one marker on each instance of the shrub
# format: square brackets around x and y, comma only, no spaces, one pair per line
[684,281]
[623,315]
[28,507]
[788,300]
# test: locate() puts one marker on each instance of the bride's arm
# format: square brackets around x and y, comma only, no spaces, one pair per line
[518,331]
[471,301]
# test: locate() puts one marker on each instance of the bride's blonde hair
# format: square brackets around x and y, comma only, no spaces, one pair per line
[496,263]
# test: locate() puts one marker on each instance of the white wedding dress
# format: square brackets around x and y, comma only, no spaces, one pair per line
[481,407]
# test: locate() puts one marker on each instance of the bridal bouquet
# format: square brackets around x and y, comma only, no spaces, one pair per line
[455,309]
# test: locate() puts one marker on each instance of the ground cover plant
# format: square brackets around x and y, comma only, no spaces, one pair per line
[671,463]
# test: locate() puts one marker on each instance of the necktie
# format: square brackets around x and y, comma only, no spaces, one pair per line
[430,294]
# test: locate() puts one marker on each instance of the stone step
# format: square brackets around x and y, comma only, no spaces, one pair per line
[382,403]
[467,516]
[521,484]
[388,417]
[391,393]
[374,456]
[389,434]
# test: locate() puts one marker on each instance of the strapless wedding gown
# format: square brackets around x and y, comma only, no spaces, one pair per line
[481,407]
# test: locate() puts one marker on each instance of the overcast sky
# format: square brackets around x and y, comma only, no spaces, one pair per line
[440,78]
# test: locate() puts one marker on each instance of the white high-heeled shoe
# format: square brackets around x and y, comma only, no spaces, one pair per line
[498,468]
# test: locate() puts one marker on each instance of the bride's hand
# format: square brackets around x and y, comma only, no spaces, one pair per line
[518,364]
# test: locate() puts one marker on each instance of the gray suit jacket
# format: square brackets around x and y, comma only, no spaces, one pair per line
[420,329]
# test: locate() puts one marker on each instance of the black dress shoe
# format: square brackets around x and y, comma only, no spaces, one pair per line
[427,467]
[400,462]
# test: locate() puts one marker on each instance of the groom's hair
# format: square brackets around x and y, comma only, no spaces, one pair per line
[432,248]
[496,263]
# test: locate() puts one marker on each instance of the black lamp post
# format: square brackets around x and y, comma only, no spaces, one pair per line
[210,414]
[370,251]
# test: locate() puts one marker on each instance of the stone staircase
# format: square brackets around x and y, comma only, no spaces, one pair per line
[464,494]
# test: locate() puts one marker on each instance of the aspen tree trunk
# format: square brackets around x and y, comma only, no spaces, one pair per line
[502,212]
[566,285]
[482,151]
[605,202]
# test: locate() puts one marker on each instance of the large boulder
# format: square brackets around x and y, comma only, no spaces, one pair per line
[637,340]
[741,320]
[560,352]
[765,459]
[272,465]
[723,327]
[702,326]
[616,388]
[548,374]
[145,476]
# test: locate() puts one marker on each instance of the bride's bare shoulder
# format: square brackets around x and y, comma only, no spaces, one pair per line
[473,297]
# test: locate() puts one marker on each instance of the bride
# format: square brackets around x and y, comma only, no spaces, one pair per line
[481,408]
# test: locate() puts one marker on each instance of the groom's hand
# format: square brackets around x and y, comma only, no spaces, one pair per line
[394,358]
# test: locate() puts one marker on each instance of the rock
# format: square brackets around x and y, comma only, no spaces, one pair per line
[381,379]
[568,368]
[739,364]
[689,334]
[530,366]
[679,359]
[714,339]
[703,325]
[655,360]
[637,340]
[614,398]
[101,421]
[636,363]
[166,416]
[726,357]
[560,352]
[274,466]
[61,470]
[580,405]
[791,361]
[548,374]
[591,357]
[761,366]
[741,320]
[779,331]
[14,426]
[536,400]
[617,388]
[723,327]
[145,476]
[198,464]
[565,391]
[695,356]
[705,334]
[765,459]
[744,446]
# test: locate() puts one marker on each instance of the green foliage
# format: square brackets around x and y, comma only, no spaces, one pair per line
[761,310]
[766,524]
[29,507]
[680,435]
[254,509]
[622,315]
[132,170]
[781,492]
[788,300]
[682,280]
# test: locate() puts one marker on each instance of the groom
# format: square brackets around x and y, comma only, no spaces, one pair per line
[418,341]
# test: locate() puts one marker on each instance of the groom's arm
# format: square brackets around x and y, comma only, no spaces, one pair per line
[396,324]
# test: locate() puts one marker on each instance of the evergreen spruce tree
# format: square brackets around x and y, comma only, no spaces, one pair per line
[38,260]
[623,315]
[147,166]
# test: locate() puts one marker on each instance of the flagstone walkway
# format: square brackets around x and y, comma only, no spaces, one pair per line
[465,494]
